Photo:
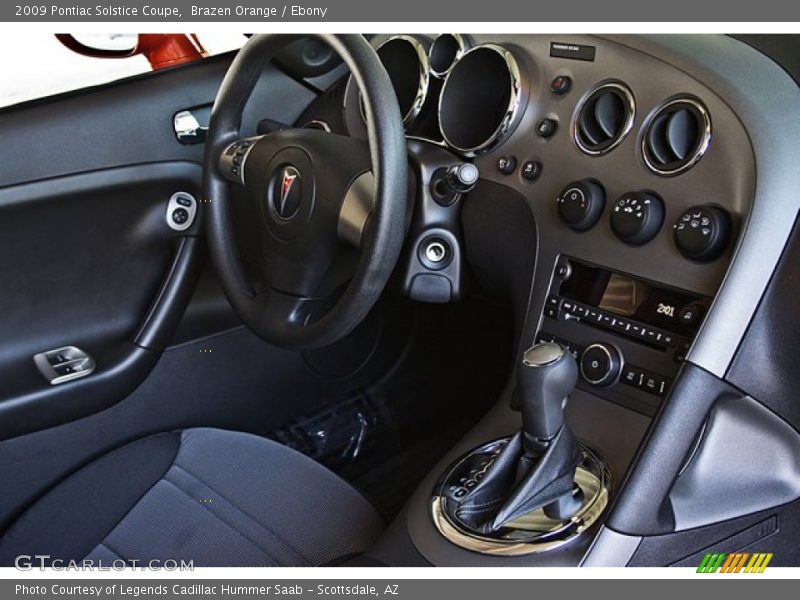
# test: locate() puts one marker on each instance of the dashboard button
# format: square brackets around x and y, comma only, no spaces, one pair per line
[547,128]
[621,324]
[531,169]
[506,164]
[561,85]
[653,384]
[563,269]
[631,376]
[691,314]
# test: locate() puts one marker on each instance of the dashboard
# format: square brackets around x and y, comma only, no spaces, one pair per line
[638,175]
[644,186]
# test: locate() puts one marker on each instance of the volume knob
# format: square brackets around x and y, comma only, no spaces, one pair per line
[601,364]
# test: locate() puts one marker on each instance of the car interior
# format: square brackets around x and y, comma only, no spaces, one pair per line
[407,300]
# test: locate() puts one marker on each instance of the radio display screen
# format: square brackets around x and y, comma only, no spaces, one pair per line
[629,297]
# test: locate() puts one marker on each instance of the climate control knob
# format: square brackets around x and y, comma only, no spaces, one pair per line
[601,364]
[637,217]
[581,203]
[702,232]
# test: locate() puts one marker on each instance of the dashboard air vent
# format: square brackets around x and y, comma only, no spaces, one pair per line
[676,137]
[604,118]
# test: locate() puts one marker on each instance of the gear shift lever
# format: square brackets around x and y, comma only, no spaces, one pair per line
[536,468]
[544,381]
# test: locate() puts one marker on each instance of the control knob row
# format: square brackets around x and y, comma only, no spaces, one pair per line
[701,233]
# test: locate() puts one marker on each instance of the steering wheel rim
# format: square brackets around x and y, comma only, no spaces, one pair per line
[273,315]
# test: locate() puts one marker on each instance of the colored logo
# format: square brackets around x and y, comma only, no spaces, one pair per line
[739,562]
[286,194]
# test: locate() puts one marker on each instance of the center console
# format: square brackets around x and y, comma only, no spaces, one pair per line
[629,335]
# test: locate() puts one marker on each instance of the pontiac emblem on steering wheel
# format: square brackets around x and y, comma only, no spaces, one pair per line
[286,192]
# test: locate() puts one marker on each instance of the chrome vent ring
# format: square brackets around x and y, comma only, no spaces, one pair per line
[604,118]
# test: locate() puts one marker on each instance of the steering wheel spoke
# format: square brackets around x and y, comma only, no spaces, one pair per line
[233,158]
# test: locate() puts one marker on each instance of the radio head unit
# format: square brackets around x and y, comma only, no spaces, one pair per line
[632,298]
[629,335]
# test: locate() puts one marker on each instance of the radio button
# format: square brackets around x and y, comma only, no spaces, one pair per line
[651,384]
[554,301]
[631,376]
[601,364]
[621,324]
[563,269]
[691,314]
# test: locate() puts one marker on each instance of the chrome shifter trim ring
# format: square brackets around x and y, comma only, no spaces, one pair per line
[534,533]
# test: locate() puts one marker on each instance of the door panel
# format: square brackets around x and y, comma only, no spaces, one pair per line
[88,257]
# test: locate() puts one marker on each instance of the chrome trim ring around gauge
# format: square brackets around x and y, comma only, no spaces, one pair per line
[509,118]
[533,533]
[461,42]
[424,78]
[630,103]
[702,147]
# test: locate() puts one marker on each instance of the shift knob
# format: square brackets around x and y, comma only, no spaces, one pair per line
[545,379]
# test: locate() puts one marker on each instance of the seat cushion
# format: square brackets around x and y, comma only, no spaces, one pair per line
[218,498]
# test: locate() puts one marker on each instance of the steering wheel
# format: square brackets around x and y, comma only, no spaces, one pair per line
[332,208]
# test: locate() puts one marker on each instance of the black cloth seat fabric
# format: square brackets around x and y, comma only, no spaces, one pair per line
[218,498]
